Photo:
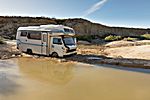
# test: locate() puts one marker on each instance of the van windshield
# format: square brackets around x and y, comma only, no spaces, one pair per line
[69,41]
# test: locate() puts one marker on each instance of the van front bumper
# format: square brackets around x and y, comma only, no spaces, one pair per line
[70,53]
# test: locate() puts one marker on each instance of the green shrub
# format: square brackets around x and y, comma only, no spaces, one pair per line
[112,38]
[130,39]
[146,36]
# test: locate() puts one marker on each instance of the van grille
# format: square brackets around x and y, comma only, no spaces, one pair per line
[71,50]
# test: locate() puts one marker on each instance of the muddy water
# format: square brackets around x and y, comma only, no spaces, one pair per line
[38,79]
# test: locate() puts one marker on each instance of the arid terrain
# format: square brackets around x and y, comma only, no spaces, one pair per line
[130,46]
[124,53]
[119,49]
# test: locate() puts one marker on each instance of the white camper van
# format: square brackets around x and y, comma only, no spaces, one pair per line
[54,40]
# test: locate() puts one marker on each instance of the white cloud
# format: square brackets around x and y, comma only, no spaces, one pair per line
[95,7]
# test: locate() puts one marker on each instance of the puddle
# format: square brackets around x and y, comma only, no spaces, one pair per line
[94,58]
[40,79]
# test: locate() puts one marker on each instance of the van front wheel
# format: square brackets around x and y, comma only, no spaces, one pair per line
[54,54]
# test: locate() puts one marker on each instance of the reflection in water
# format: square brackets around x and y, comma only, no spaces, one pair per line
[45,70]
[47,80]
[6,64]
[8,85]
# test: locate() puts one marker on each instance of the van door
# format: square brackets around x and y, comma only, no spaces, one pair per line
[57,46]
[22,40]
[44,43]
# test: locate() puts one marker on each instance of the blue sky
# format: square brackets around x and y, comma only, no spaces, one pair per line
[128,13]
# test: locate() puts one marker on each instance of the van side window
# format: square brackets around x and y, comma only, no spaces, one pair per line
[24,34]
[34,35]
[57,41]
[68,30]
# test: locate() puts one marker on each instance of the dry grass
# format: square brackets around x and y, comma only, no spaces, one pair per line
[92,49]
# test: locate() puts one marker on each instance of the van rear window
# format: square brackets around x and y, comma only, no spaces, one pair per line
[24,34]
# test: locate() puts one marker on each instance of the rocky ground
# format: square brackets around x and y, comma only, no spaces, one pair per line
[8,50]
[124,53]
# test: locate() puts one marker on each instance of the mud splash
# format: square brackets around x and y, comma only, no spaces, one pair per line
[40,79]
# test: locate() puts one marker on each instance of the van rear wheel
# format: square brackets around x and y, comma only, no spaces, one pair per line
[29,51]
[54,54]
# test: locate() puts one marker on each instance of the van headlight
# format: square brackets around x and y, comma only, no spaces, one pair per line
[65,49]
